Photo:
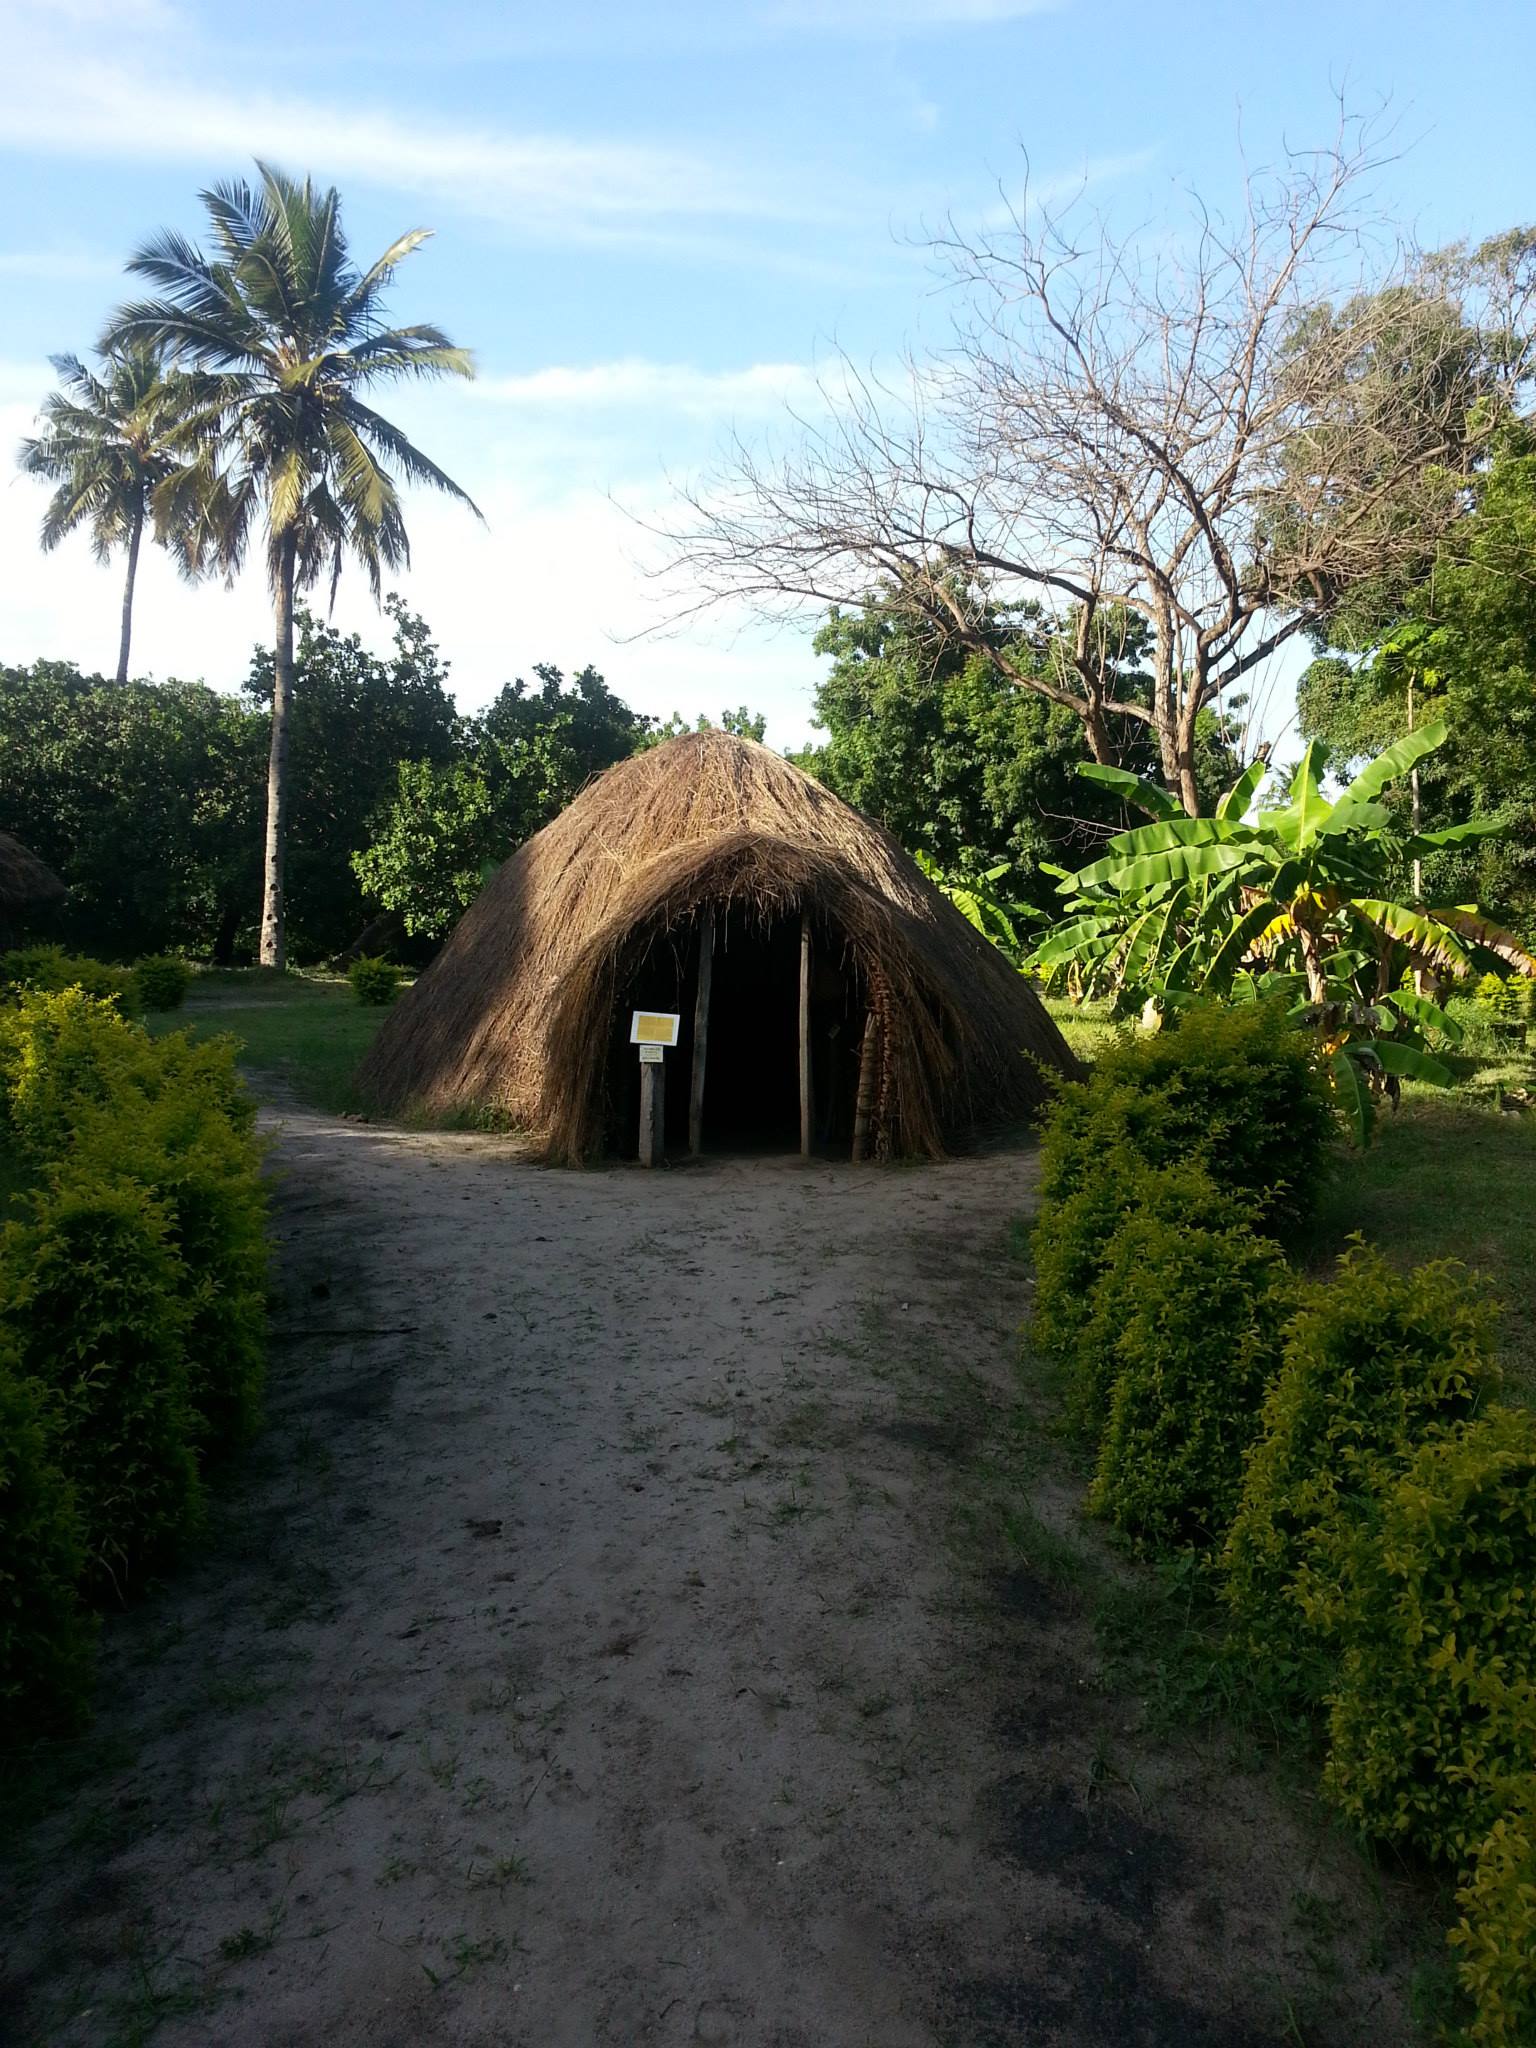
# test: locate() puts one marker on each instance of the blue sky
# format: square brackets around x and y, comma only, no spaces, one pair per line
[652,223]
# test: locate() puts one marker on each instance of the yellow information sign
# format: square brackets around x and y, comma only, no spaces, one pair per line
[653,1027]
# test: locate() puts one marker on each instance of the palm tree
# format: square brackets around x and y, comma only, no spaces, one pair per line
[279,333]
[111,444]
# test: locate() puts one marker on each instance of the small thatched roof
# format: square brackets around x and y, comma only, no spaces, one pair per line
[25,882]
[515,1015]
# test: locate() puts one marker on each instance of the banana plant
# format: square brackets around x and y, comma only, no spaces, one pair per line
[976,902]
[1295,901]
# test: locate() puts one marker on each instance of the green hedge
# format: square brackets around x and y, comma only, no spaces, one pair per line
[1236,1090]
[45,1634]
[374,981]
[1433,1716]
[49,970]
[132,1306]
[1376,1361]
[162,981]
[1496,1938]
[1204,1316]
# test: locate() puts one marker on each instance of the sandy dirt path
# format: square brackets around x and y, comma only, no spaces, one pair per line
[613,1640]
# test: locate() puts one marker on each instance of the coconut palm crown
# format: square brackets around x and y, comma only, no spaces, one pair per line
[281,335]
[111,442]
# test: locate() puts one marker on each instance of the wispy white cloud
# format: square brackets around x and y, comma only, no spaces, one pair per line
[882,17]
[674,387]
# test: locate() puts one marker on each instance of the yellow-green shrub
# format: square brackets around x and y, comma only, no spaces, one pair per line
[204,1174]
[1199,1317]
[61,1052]
[49,969]
[374,980]
[161,980]
[1236,1089]
[1496,1938]
[1433,1716]
[1087,1270]
[1374,1361]
[92,1298]
[45,1635]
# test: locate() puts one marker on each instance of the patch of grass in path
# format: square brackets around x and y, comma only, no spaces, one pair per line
[307,1031]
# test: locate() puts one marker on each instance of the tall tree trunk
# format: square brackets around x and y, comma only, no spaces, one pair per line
[274,952]
[134,538]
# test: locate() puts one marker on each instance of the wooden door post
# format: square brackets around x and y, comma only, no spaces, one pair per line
[864,1103]
[653,1112]
[805,1034]
[701,1034]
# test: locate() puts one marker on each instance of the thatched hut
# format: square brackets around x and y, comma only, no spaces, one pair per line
[26,883]
[831,998]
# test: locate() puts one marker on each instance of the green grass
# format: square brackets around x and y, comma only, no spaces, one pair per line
[306,1031]
[1088,1028]
[1450,1177]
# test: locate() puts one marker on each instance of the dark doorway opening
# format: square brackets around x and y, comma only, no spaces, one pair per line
[752,1069]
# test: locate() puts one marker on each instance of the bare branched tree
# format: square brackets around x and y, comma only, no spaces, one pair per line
[1224,433]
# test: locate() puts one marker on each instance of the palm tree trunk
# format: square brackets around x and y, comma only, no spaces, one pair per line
[274,952]
[133,570]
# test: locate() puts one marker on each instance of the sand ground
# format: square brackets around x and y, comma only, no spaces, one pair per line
[641,1623]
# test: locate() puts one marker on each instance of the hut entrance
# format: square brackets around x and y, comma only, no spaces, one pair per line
[751,1099]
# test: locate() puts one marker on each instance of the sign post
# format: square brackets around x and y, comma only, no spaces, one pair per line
[654,1032]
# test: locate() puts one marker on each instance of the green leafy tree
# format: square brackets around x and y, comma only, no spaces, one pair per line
[745,723]
[1464,651]
[285,335]
[963,765]
[144,797]
[356,716]
[111,442]
[447,824]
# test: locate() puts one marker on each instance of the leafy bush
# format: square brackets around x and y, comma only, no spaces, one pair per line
[162,981]
[1433,1718]
[203,1173]
[45,1636]
[1199,1313]
[1235,1089]
[60,1052]
[1374,1361]
[1078,1310]
[91,1297]
[1496,1938]
[374,981]
[49,969]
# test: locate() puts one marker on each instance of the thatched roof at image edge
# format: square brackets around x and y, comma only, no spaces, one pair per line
[514,1015]
[25,882]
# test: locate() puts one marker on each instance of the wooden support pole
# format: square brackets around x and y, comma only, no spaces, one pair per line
[805,1034]
[653,1113]
[864,1104]
[701,1034]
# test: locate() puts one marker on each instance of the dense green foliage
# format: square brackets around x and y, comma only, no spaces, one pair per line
[1086,1248]
[1290,902]
[1465,646]
[132,1302]
[45,1634]
[162,981]
[1236,1089]
[959,761]
[1187,1363]
[1496,1937]
[1433,1714]
[50,969]
[1375,1362]
[375,982]
[446,824]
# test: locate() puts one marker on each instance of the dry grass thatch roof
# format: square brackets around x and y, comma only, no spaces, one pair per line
[514,1015]
[25,882]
